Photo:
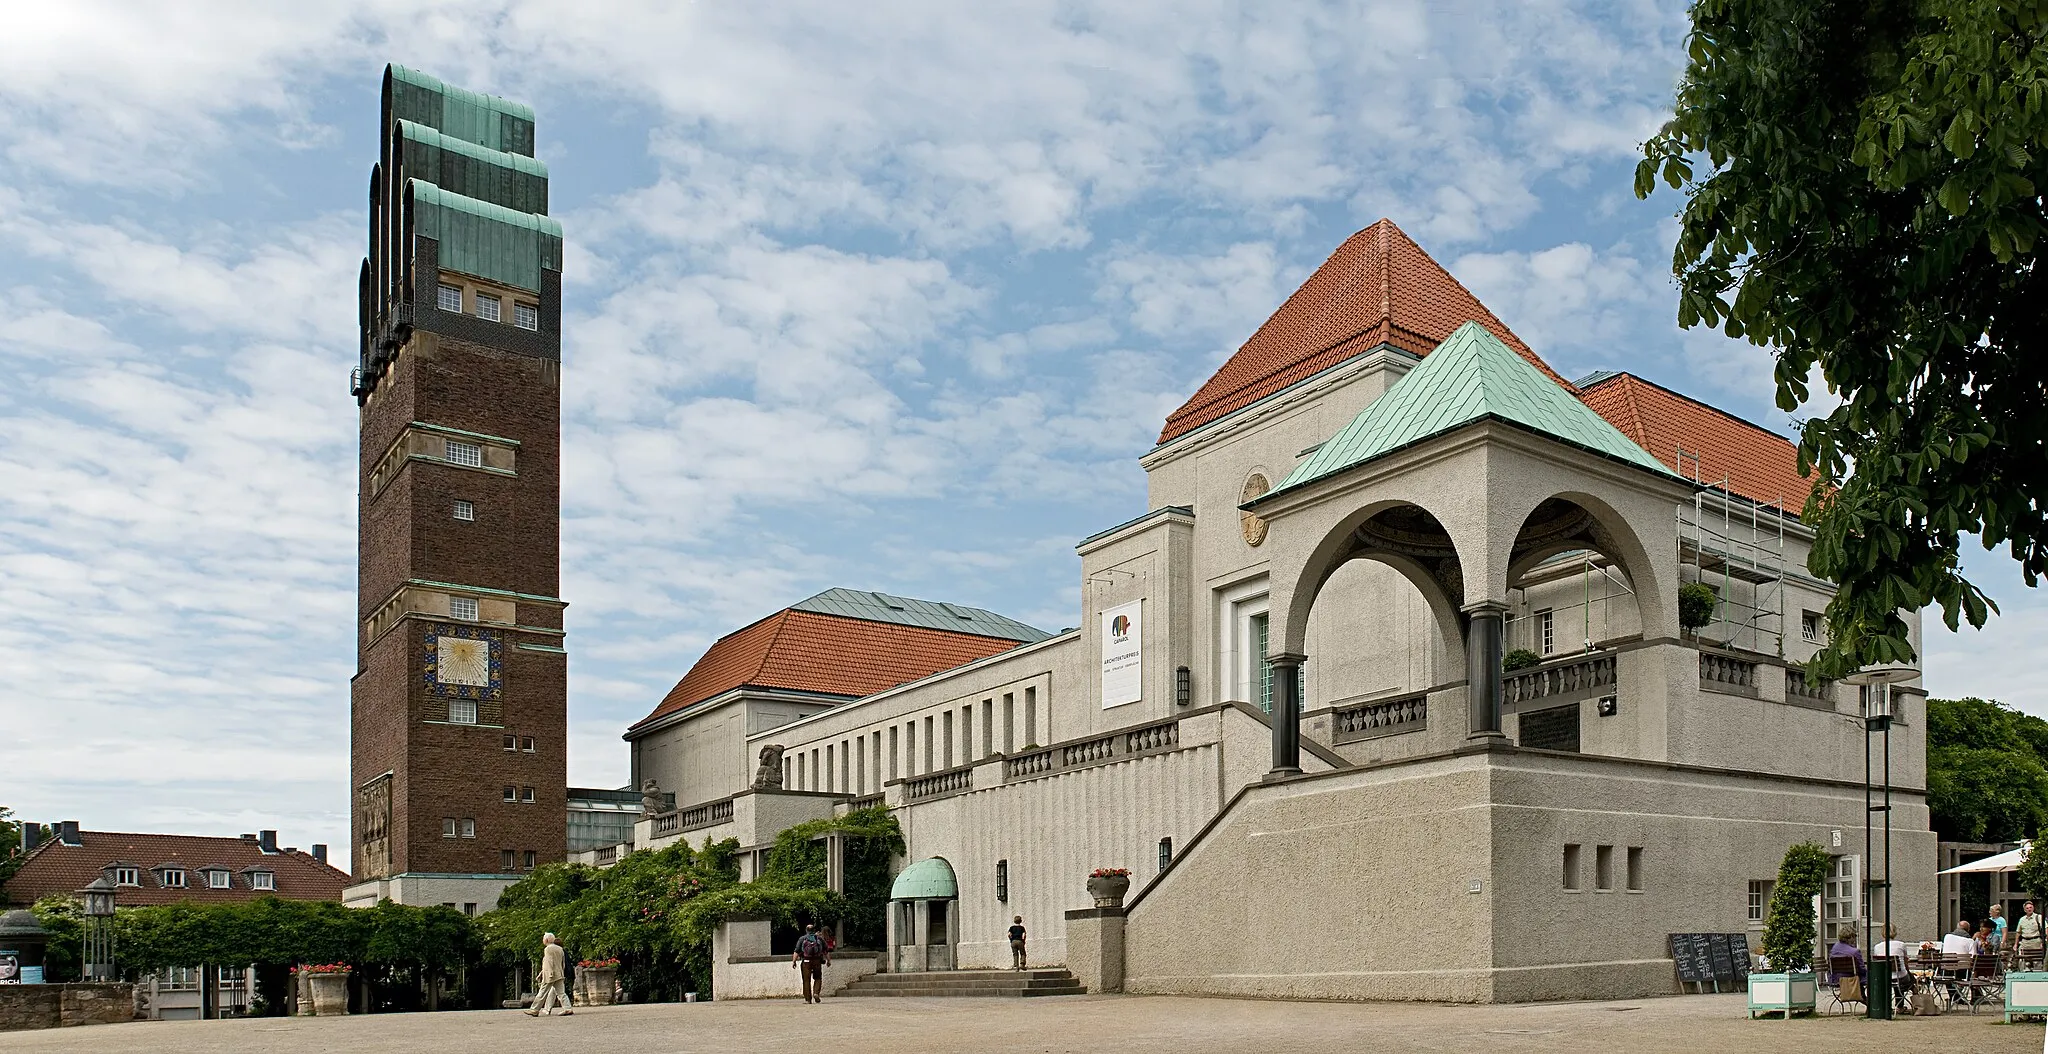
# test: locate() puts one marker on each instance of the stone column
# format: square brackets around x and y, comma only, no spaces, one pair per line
[1095,948]
[1287,712]
[1482,667]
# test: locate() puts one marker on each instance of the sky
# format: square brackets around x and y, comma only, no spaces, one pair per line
[883,295]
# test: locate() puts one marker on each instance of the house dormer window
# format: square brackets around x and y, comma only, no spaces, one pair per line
[262,880]
[127,876]
[218,879]
[172,878]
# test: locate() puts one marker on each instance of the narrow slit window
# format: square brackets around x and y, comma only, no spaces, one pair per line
[1571,867]
[1165,852]
[1635,868]
[1603,868]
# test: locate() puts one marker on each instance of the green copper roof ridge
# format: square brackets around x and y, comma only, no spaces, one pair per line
[497,103]
[438,196]
[1470,377]
[434,137]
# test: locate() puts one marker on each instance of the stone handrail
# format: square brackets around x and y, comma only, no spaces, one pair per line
[1587,675]
[1032,764]
[1797,686]
[939,784]
[705,815]
[607,854]
[1727,675]
[865,801]
[1155,738]
[1382,718]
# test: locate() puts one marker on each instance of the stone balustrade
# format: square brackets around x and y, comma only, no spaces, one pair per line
[1383,718]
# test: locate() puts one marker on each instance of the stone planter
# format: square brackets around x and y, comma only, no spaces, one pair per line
[1109,891]
[595,984]
[1782,993]
[330,994]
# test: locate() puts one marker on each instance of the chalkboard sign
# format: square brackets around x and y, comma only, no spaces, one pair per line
[1724,959]
[1738,949]
[1695,962]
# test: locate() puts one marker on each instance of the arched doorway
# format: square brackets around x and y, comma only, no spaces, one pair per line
[922,921]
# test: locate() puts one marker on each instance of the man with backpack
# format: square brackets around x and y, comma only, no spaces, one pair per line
[810,958]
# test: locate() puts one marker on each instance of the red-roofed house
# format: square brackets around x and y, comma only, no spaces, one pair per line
[152,869]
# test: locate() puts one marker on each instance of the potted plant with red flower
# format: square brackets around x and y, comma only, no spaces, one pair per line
[329,982]
[596,980]
[1108,886]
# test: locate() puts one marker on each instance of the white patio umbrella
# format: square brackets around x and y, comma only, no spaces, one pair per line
[2006,861]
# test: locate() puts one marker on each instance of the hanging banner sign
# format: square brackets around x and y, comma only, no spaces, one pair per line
[1122,654]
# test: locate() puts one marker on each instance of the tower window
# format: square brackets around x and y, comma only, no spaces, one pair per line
[462,711]
[487,307]
[526,795]
[511,743]
[462,607]
[448,827]
[1165,852]
[526,744]
[504,859]
[465,510]
[532,859]
[511,794]
[525,316]
[468,827]
[450,298]
[464,453]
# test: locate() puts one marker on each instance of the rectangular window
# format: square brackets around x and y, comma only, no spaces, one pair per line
[988,727]
[465,510]
[1603,868]
[1571,867]
[462,453]
[127,876]
[1759,899]
[1546,632]
[450,298]
[532,859]
[1810,626]
[449,828]
[173,879]
[1031,719]
[1262,687]
[1009,722]
[487,307]
[892,751]
[1635,869]
[178,979]
[262,880]
[511,743]
[967,733]
[526,795]
[468,827]
[462,608]
[525,316]
[469,907]
[1165,852]
[462,711]
[946,722]
[511,794]
[217,880]
[526,745]
[504,859]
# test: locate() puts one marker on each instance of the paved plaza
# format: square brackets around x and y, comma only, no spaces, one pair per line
[1126,1024]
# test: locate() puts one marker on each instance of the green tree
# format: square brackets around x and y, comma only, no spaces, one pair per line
[1788,929]
[1866,203]
[2032,875]
[11,855]
[1987,772]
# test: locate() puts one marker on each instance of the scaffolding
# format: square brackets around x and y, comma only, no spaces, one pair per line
[1734,545]
[1525,630]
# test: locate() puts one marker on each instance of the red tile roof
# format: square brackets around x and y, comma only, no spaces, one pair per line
[1760,464]
[1379,287]
[811,652]
[54,867]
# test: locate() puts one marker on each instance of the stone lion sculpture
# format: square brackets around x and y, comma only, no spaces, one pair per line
[769,775]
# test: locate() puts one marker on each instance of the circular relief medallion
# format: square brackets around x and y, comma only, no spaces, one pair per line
[1254,527]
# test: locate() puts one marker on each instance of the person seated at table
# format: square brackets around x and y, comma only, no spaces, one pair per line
[1845,948]
[1962,942]
[1987,939]
[1895,950]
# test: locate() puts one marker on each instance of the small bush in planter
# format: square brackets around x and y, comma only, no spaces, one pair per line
[1788,929]
[1519,659]
[1696,603]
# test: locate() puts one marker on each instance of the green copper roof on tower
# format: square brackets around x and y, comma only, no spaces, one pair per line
[485,120]
[515,181]
[1470,377]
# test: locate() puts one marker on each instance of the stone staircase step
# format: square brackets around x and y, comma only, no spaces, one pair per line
[968,983]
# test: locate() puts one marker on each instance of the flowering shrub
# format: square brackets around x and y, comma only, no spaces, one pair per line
[322,968]
[1110,872]
[598,964]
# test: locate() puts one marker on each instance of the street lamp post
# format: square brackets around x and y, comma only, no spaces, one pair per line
[1875,685]
[98,961]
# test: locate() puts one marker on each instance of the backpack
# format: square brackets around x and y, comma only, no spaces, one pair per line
[810,947]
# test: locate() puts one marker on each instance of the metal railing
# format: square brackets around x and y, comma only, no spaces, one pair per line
[1370,720]
[1579,678]
[938,784]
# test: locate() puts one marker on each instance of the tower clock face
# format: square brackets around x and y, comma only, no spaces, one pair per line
[463,660]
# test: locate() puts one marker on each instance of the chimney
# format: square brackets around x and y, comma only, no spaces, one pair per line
[67,832]
[320,851]
[248,838]
[267,841]
[31,835]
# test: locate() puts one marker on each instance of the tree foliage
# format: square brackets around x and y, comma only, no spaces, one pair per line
[2032,875]
[1987,770]
[1788,929]
[11,856]
[1696,603]
[1867,203]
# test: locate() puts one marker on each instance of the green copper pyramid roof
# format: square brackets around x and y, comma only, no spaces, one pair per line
[1470,377]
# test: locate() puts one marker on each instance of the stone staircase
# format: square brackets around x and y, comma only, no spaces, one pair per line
[973,983]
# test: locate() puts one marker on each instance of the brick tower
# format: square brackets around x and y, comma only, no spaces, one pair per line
[459,702]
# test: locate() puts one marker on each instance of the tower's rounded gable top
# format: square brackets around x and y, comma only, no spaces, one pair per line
[1378,288]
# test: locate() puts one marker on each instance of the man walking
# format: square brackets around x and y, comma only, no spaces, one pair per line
[810,958]
[1017,943]
[554,973]
[2027,933]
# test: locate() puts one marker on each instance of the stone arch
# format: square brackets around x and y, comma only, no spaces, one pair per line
[1571,520]
[1404,535]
